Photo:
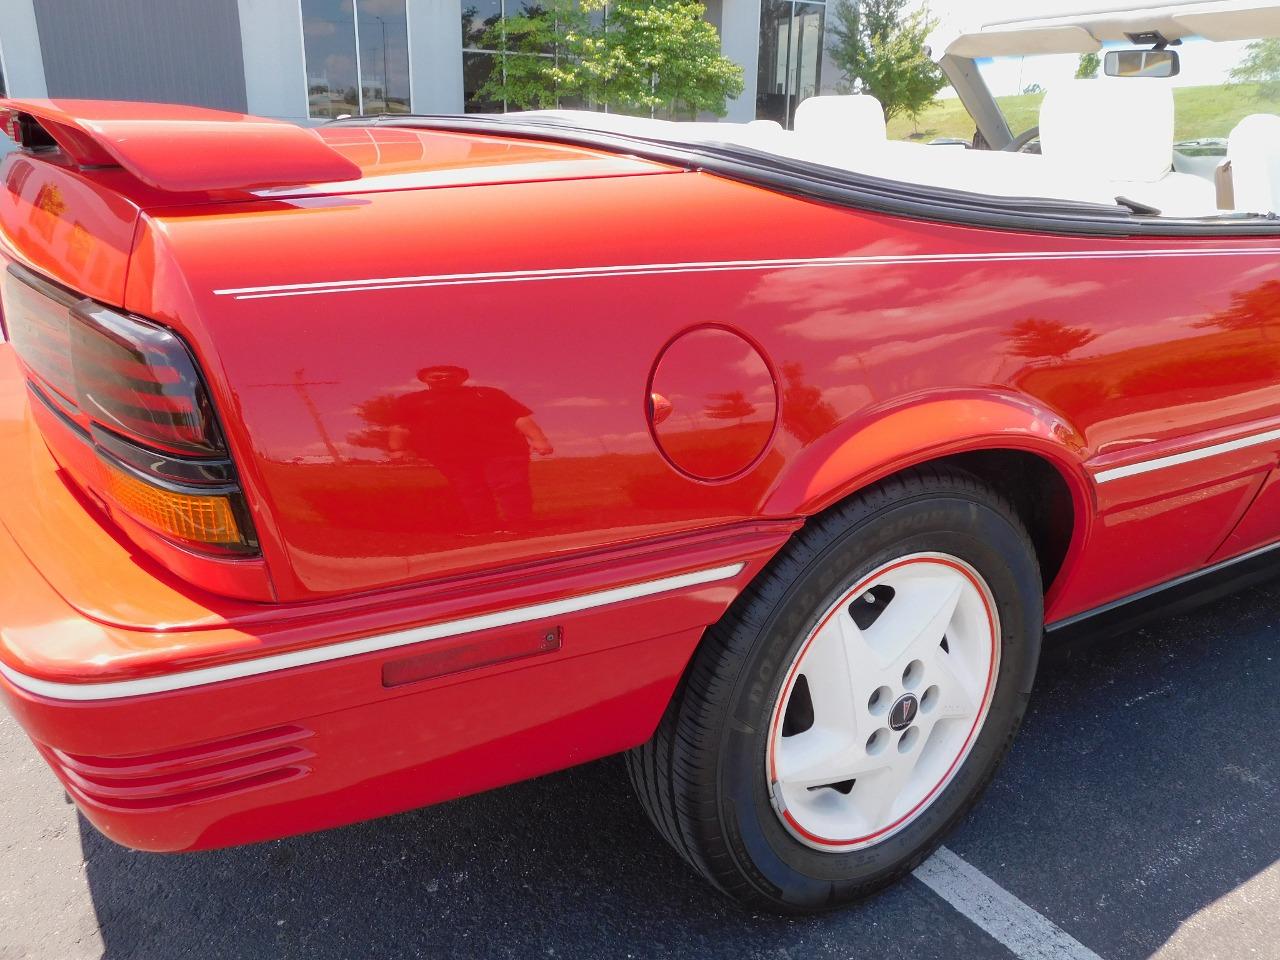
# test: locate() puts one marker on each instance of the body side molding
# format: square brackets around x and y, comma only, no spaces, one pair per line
[371,644]
[1187,456]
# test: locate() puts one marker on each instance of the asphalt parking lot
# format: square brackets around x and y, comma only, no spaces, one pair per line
[1139,812]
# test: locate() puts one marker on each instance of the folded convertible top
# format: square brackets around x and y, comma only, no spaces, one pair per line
[177,148]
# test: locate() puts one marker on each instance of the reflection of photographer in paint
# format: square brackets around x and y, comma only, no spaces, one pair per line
[479,438]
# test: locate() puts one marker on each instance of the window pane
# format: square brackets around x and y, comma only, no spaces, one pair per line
[475,71]
[775,42]
[328,28]
[477,17]
[831,78]
[792,60]
[384,55]
[806,45]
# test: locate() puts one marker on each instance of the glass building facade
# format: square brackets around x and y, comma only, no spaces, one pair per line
[480,58]
[349,39]
[313,60]
[793,61]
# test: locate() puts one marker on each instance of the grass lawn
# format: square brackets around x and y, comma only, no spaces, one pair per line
[1199,112]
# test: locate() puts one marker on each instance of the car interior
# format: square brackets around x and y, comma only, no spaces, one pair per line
[1107,140]
[1101,141]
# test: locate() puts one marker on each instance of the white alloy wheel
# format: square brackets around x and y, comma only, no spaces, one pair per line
[883,702]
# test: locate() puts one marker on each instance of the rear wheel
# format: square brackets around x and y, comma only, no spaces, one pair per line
[856,699]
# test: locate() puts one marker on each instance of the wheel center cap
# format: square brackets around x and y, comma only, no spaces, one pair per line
[903,712]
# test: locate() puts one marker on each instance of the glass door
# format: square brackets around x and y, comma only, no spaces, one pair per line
[790,68]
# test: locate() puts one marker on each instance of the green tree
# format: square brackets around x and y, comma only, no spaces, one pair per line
[1048,339]
[1087,68]
[524,75]
[652,55]
[733,405]
[660,55]
[879,44]
[1261,65]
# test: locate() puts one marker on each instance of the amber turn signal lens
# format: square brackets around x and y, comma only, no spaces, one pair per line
[197,518]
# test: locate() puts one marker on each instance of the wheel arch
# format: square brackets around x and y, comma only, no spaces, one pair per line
[1031,455]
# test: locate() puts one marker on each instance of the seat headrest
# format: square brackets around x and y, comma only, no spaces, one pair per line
[841,121]
[1261,129]
[1115,129]
[1253,147]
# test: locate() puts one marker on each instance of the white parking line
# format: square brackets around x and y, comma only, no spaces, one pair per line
[1027,934]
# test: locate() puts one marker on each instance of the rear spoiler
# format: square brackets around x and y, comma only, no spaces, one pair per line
[176,148]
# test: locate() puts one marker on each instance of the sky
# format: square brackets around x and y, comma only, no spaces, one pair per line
[1203,63]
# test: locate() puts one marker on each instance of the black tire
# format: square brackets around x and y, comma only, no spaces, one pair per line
[701,777]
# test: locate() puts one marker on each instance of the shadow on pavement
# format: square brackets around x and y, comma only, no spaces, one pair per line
[562,866]
[1143,788]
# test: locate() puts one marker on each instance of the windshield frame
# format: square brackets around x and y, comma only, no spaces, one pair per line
[971,87]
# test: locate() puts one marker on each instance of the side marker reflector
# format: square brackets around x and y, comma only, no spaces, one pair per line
[468,653]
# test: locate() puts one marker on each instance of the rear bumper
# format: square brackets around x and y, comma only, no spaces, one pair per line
[320,744]
[309,772]
[195,722]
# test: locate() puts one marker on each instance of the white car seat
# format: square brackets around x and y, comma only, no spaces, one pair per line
[1122,132]
[841,123]
[1253,148]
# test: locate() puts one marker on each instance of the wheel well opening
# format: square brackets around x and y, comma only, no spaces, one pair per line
[1039,494]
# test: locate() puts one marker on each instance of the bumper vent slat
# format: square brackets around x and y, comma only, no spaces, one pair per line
[187,775]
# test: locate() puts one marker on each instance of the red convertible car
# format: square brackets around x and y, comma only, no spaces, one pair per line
[354,469]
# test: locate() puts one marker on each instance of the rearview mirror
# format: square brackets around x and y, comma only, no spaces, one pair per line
[1141,63]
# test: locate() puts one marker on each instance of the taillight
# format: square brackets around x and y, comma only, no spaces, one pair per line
[131,388]
[137,378]
[35,315]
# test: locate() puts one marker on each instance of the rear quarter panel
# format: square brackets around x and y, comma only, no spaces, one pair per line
[65,226]
[1097,349]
